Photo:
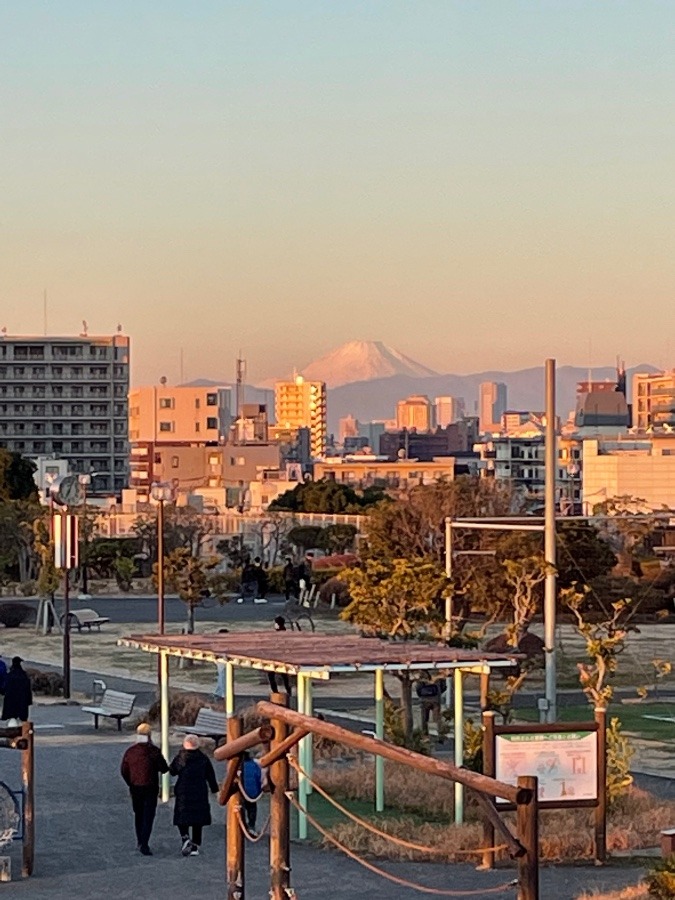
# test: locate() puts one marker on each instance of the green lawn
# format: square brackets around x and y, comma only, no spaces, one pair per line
[631,716]
[326,814]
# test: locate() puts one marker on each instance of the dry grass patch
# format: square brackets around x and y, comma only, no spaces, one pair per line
[636,892]
[426,805]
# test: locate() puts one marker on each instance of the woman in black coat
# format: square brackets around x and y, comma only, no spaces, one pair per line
[195,778]
[18,693]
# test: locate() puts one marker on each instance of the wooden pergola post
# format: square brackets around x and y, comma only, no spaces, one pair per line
[379,734]
[488,721]
[235,838]
[164,703]
[303,792]
[280,832]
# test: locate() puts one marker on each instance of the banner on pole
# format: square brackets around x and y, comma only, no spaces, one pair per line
[66,541]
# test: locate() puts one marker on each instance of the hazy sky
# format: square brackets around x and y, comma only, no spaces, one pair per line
[480,184]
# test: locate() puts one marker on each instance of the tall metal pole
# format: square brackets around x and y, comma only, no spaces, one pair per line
[551,460]
[66,605]
[164,719]
[459,743]
[448,601]
[160,567]
[85,574]
[379,734]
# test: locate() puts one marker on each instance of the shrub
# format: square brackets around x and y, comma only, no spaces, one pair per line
[124,572]
[619,756]
[183,708]
[49,684]
[338,587]
[28,588]
[661,879]
[12,615]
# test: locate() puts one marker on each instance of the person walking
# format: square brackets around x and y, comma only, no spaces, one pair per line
[429,693]
[290,581]
[3,675]
[261,580]
[18,693]
[279,625]
[192,809]
[252,786]
[141,766]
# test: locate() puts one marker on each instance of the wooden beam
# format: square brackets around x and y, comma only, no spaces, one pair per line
[427,764]
[262,735]
[527,817]
[495,821]
[228,785]
[27,783]
[281,749]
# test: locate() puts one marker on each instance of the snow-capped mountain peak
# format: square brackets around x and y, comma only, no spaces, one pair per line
[362,361]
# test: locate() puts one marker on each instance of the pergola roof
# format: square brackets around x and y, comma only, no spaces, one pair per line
[317,655]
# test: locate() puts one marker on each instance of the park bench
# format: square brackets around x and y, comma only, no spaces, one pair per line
[209,723]
[114,705]
[85,618]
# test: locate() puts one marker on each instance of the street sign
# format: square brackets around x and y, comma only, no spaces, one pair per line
[66,541]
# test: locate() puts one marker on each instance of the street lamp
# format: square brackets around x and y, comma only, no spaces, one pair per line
[161,493]
[573,470]
[84,481]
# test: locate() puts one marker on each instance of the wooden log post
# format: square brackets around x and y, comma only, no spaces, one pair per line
[280,862]
[235,838]
[488,721]
[236,747]
[601,808]
[527,817]
[27,783]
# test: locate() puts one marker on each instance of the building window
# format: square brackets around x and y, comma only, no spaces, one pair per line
[212,399]
[165,426]
[174,462]
[211,423]
[166,403]
[197,403]
[196,427]
[158,459]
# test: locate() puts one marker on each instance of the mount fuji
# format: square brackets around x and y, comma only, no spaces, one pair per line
[363,361]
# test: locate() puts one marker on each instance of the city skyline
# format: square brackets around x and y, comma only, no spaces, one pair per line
[481,186]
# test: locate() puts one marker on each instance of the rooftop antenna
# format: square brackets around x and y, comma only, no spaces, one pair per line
[44,310]
[85,328]
[182,367]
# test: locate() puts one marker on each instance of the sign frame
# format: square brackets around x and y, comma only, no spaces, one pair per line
[597,726]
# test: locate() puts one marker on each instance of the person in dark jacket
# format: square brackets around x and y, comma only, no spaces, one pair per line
[290,581]
[261,580]
[18,693]
[3,675]
[279,625]
[195,778]
[141,767]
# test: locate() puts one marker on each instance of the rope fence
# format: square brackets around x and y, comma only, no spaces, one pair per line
[369,826]
[439,892]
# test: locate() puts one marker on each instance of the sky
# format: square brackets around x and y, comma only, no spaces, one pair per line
[480,184]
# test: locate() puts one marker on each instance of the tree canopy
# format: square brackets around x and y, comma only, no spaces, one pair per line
[16,477]
[326,496]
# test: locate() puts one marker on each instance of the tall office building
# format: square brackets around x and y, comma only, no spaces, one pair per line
[416,412]
[302,404]
[67,397]
[491,405]
[653,400]
[448,410]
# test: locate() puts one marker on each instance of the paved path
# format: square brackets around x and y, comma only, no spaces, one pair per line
[85,843]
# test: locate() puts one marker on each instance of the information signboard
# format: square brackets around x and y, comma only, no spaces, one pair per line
[565,762]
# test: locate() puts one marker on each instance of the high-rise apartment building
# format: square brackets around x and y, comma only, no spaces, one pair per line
[653,400]
[416,412]
[302,404]
[67,397]
[448,410]
[491,405]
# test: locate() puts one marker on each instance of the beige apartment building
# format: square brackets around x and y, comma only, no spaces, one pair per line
[179,415]
[415,413]
[369,471]
[640,468]
[653,400]
[302,404]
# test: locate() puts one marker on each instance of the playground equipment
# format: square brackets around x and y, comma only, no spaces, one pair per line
[17,806]
[285,729]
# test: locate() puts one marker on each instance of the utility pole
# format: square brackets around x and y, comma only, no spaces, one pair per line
[550,585]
